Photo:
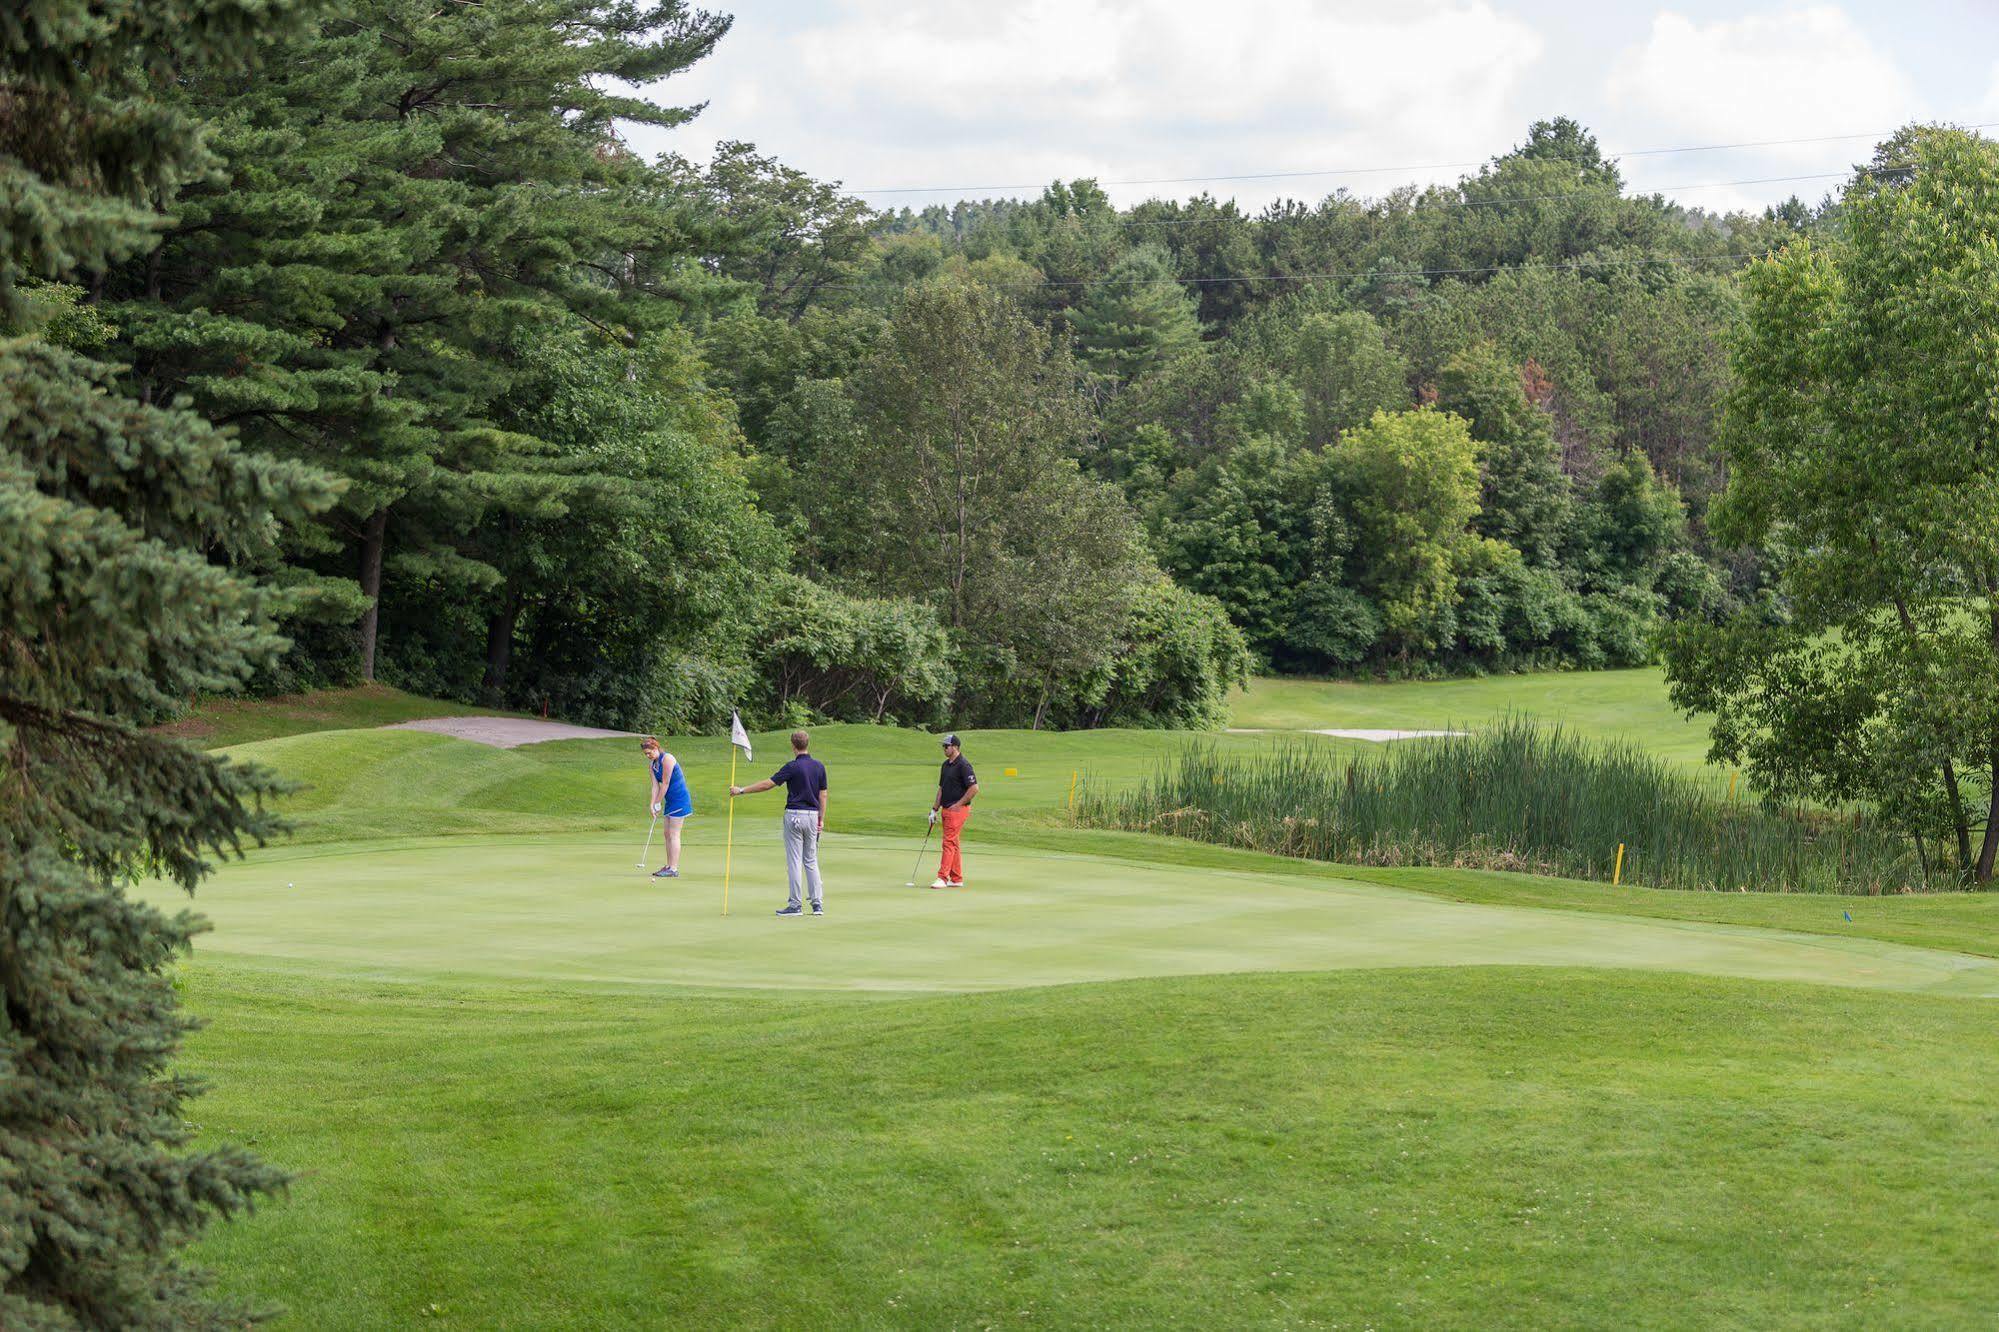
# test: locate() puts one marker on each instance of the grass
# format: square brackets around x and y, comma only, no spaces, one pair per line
[1121,1081]
[1512,795]
[1456,1147]
[373,784]
[1624,705]
[571,909]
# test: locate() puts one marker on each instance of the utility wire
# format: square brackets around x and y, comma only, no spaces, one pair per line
[1427,202]
[1357,273]
[1381,170]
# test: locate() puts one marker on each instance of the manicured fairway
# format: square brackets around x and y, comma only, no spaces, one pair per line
[1464,1147]
[1629,705]
[572,909]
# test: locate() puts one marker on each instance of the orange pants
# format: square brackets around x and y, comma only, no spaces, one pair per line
[951,869]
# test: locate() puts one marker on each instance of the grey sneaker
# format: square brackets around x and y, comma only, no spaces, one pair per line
[818,908]
[664,873]
[791,911]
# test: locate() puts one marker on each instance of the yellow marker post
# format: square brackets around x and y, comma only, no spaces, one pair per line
[1072,788]
[1013,772]
[1617,875]
[729,855]
[1732,775]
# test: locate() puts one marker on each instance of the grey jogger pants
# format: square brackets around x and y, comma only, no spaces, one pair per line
[801,853]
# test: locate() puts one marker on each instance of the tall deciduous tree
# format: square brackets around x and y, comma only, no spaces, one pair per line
[1525,499]
[960,487]
[1337,361]
[1411,489]
[1864,452]
[120,524]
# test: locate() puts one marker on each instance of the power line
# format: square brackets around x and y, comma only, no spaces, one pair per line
[1488,203]
[1380,170]
[1376,273]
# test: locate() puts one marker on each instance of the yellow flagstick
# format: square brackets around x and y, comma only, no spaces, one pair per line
[729,855]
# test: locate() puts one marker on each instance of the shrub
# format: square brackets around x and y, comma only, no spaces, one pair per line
[830,656]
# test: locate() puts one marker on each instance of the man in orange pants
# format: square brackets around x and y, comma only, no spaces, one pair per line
[957,785]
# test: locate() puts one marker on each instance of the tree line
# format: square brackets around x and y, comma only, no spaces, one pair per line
[637,441]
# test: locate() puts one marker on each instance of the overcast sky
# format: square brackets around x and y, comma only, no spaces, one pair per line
[970,95]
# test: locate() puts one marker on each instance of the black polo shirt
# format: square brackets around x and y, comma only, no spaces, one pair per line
[802,779]
[953,780]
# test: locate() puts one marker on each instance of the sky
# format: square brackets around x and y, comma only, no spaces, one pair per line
[928,101]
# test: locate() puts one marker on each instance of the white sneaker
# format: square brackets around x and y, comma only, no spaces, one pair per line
[939,882]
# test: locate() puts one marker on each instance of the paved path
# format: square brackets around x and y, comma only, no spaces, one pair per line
[506,732]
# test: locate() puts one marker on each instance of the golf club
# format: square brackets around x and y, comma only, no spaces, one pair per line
[648,847]
[919,856]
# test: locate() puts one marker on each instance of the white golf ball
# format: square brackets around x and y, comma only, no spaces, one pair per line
[290,885]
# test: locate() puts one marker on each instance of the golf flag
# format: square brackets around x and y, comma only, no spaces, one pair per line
[738,739]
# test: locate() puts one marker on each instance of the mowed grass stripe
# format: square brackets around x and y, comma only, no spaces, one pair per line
[1459,1147]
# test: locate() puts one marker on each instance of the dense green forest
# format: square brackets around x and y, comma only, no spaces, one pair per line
[637,441]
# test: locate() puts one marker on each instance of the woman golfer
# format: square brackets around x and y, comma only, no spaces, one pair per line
[669,798]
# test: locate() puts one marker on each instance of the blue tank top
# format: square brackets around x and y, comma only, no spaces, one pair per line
[678,801]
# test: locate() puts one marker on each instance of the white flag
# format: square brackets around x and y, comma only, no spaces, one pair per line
[737,735]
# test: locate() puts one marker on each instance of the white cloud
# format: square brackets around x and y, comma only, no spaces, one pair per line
[1799,73]
[891,92]
[1013,93]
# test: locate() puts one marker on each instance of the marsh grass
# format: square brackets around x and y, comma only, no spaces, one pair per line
[1512,796]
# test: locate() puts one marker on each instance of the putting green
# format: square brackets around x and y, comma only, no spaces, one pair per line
[572,909]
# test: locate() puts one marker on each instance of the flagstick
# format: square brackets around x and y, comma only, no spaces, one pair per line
[729,856]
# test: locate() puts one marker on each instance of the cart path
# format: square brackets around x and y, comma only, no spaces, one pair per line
[506,732]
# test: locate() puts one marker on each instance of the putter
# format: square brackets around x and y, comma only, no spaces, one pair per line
[919,857]
[648,847]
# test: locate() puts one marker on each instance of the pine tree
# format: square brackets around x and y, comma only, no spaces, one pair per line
[119,526]
[1136,318]
[405,184]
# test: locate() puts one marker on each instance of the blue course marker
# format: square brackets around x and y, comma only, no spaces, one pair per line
[1847,914]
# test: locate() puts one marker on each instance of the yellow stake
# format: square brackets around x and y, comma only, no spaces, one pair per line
[1072,788]
[1732,775]
[729,856]
[1617,875]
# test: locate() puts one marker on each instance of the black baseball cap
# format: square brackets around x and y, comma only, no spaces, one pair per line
[951,739]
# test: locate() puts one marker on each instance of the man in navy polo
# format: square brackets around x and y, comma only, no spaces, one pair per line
[804,783]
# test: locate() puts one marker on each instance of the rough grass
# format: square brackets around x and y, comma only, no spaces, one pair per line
[1513,796]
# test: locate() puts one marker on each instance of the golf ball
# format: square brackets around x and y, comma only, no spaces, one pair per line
[289,885]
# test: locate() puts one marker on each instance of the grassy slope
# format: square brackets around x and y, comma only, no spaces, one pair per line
[411,783]
[216,723]
[1462,1147]
[1623,704]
